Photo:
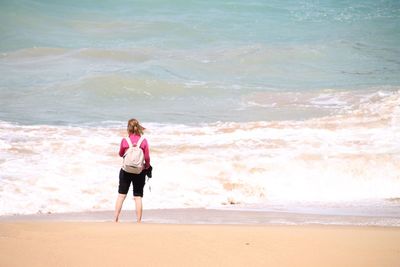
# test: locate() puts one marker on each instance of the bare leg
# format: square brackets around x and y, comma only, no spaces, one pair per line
[118,205]
[138,203]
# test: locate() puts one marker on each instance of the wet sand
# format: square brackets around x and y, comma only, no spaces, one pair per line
[217,216]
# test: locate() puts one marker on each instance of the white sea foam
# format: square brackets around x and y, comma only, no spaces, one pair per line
[342,158]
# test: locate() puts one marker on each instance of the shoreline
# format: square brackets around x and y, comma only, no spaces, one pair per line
[201,216]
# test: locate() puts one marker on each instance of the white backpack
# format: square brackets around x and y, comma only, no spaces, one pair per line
[133,161]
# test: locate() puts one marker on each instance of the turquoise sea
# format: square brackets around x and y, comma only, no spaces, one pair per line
[190,61]
[258,104]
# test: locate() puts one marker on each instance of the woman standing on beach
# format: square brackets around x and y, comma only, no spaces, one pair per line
[135,132]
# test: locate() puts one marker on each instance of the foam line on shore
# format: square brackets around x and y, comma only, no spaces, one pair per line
[211,217]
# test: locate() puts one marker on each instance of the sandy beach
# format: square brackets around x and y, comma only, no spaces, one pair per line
[48,243]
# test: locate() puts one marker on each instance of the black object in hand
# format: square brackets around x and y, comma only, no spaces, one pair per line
[148,172]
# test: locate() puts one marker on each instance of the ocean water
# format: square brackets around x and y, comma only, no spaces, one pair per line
[260,105]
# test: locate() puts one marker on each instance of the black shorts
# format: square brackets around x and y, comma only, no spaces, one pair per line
[137,180]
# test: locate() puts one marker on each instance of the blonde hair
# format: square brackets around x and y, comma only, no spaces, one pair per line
[134,127]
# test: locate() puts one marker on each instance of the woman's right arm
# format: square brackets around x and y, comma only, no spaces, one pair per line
[146,155]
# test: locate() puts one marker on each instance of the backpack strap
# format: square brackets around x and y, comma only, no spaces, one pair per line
[128,140]
[140,141]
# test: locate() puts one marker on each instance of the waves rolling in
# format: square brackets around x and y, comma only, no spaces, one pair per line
[341,159]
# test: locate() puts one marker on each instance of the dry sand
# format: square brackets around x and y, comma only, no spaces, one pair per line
[128,244]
